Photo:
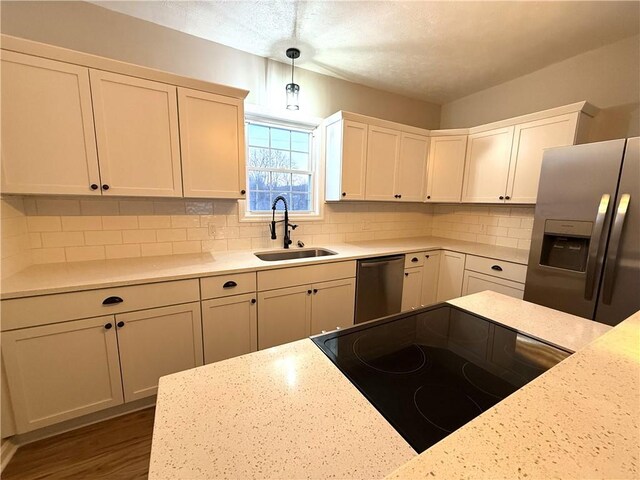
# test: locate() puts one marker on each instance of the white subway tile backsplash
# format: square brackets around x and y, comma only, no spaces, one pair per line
[82,254]
[80,223]
[48,255]
[120,222]
[154,221]
[44,224]
[156,249]
[122,251]
[139,236]
[106,237]
[62,239]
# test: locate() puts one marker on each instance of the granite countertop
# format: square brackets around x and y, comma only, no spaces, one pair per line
[288,412]
[69,277]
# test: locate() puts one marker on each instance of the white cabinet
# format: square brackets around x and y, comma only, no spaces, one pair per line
[284,315]
[61,371]
[450,275]
[8,424]
[483,273]
[332,305]
[157,342]
[48,139]
[430,273]
[445,169]
[529,142]
[212,145]
[487,166]
[412,288]
[412,165]
[136,124]
[383,153]
[346,156]
[229,327]
[475,282]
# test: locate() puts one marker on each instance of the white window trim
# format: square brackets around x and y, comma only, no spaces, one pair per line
[256,114]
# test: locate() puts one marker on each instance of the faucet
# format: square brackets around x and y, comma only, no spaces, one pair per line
[272,227]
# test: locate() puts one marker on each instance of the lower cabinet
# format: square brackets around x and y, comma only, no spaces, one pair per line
[229,327]
[332,305]
[62,371]
[478,282]
[430,272]
[450,275]
[157,342]
[412,288]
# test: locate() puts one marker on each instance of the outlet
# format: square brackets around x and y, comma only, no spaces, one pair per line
[212,230]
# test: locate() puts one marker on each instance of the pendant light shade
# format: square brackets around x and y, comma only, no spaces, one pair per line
[293,89]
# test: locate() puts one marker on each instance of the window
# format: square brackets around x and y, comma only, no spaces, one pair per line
[280,162]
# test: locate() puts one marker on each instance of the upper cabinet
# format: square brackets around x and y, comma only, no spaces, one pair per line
[48,142]
[412,165]
[383,154]
[487,166]
[95,126]
[212,145]
[445,168]
[346,156]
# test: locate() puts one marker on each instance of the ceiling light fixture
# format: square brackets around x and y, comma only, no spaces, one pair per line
[293,89]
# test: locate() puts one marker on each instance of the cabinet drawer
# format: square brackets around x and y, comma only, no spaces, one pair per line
[414,260]
[291,277]
[497,268]
[45,309]
[226,285]
[478,282]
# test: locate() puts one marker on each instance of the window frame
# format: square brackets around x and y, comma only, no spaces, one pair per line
[310,126]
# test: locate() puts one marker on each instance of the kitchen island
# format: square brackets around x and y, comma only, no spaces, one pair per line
[288,412]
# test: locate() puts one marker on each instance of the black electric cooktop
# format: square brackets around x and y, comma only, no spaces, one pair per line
[431,371]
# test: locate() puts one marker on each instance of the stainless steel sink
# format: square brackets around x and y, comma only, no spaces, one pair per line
[293,254]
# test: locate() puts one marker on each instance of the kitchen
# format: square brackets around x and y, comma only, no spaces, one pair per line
[124,261]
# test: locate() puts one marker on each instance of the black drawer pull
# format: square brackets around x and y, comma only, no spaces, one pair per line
[112,300]
[108,326]
[406,274]
[120,324]
[230,284]
[497,267]
[414,259]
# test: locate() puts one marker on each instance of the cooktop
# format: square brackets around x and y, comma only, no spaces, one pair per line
[430,371]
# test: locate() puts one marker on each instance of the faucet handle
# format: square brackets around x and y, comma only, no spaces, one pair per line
[293,227]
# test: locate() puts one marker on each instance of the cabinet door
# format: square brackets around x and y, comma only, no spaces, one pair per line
[411,288]
[8,424]
[477,282]
[446,168]
[284,315]
[529,141]
[354,159]
[383,151]
[137,133]
[62,371]
[487,166]
[430,272]
[229,327]
[212,145]
[412,166]
[332,305]
[48,139]
[450,275]
[157,342]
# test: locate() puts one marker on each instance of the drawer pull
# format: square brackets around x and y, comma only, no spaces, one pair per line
[497,267]
[108,326]
[230,284]
[253,301]
[112,300]
[406,274]
[414,259]
[120,324]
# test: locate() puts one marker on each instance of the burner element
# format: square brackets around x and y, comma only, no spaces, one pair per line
[406,359]
[445,407]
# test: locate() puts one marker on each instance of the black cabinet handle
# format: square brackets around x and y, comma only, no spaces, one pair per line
[497,267]
[428,197]
[406,274]
[230,284]
[426,256]
[308,292]
[315,290]
[253,301]
[120,324]
[105,187]
[508,197]
[400,196]
[108,326]
[501,197]
[242,192]
[112,300]
[94,186]
[344,194]
[414,259]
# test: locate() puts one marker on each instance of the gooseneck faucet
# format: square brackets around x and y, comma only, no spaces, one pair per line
[272,227]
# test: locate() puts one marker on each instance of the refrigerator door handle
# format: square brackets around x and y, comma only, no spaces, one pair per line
[594,248]
[614,244]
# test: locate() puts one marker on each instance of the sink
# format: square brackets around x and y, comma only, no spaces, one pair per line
[293,254]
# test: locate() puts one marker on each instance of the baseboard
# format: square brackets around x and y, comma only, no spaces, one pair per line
[7,449]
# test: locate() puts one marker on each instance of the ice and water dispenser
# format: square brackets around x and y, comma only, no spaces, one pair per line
[566,244]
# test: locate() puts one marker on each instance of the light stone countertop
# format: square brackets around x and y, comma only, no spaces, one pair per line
[69,277]
[288,412]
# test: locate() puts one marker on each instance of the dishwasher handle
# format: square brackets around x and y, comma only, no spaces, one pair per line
[376,262]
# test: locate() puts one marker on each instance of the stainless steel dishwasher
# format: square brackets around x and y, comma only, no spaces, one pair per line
[379,287]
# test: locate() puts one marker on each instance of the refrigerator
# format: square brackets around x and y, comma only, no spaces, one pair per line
[585,247]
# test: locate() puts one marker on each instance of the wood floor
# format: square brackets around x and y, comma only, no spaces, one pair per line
[114,449]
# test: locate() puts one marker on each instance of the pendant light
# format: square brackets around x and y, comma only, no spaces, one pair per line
[293,88]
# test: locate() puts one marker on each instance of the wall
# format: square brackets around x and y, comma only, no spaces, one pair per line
[608,77]
[93,29]
[14,247]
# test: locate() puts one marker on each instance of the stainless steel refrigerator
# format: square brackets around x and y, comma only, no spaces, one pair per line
[585,248]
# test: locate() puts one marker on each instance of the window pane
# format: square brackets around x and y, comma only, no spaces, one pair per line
[259,157]
[299,161]
[258,136]
[280,160]
[300,183]
[300,202]
[281,181]
[280,139]
[300,141]
[260,201]
[258,180]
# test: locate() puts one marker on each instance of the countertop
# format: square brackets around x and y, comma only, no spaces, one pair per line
[288,412]
[68,277]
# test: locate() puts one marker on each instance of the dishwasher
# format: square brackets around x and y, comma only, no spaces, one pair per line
[379,287]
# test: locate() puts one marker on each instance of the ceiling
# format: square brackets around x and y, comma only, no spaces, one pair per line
[435,51]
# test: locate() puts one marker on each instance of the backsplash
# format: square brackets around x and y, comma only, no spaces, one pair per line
[15,250]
